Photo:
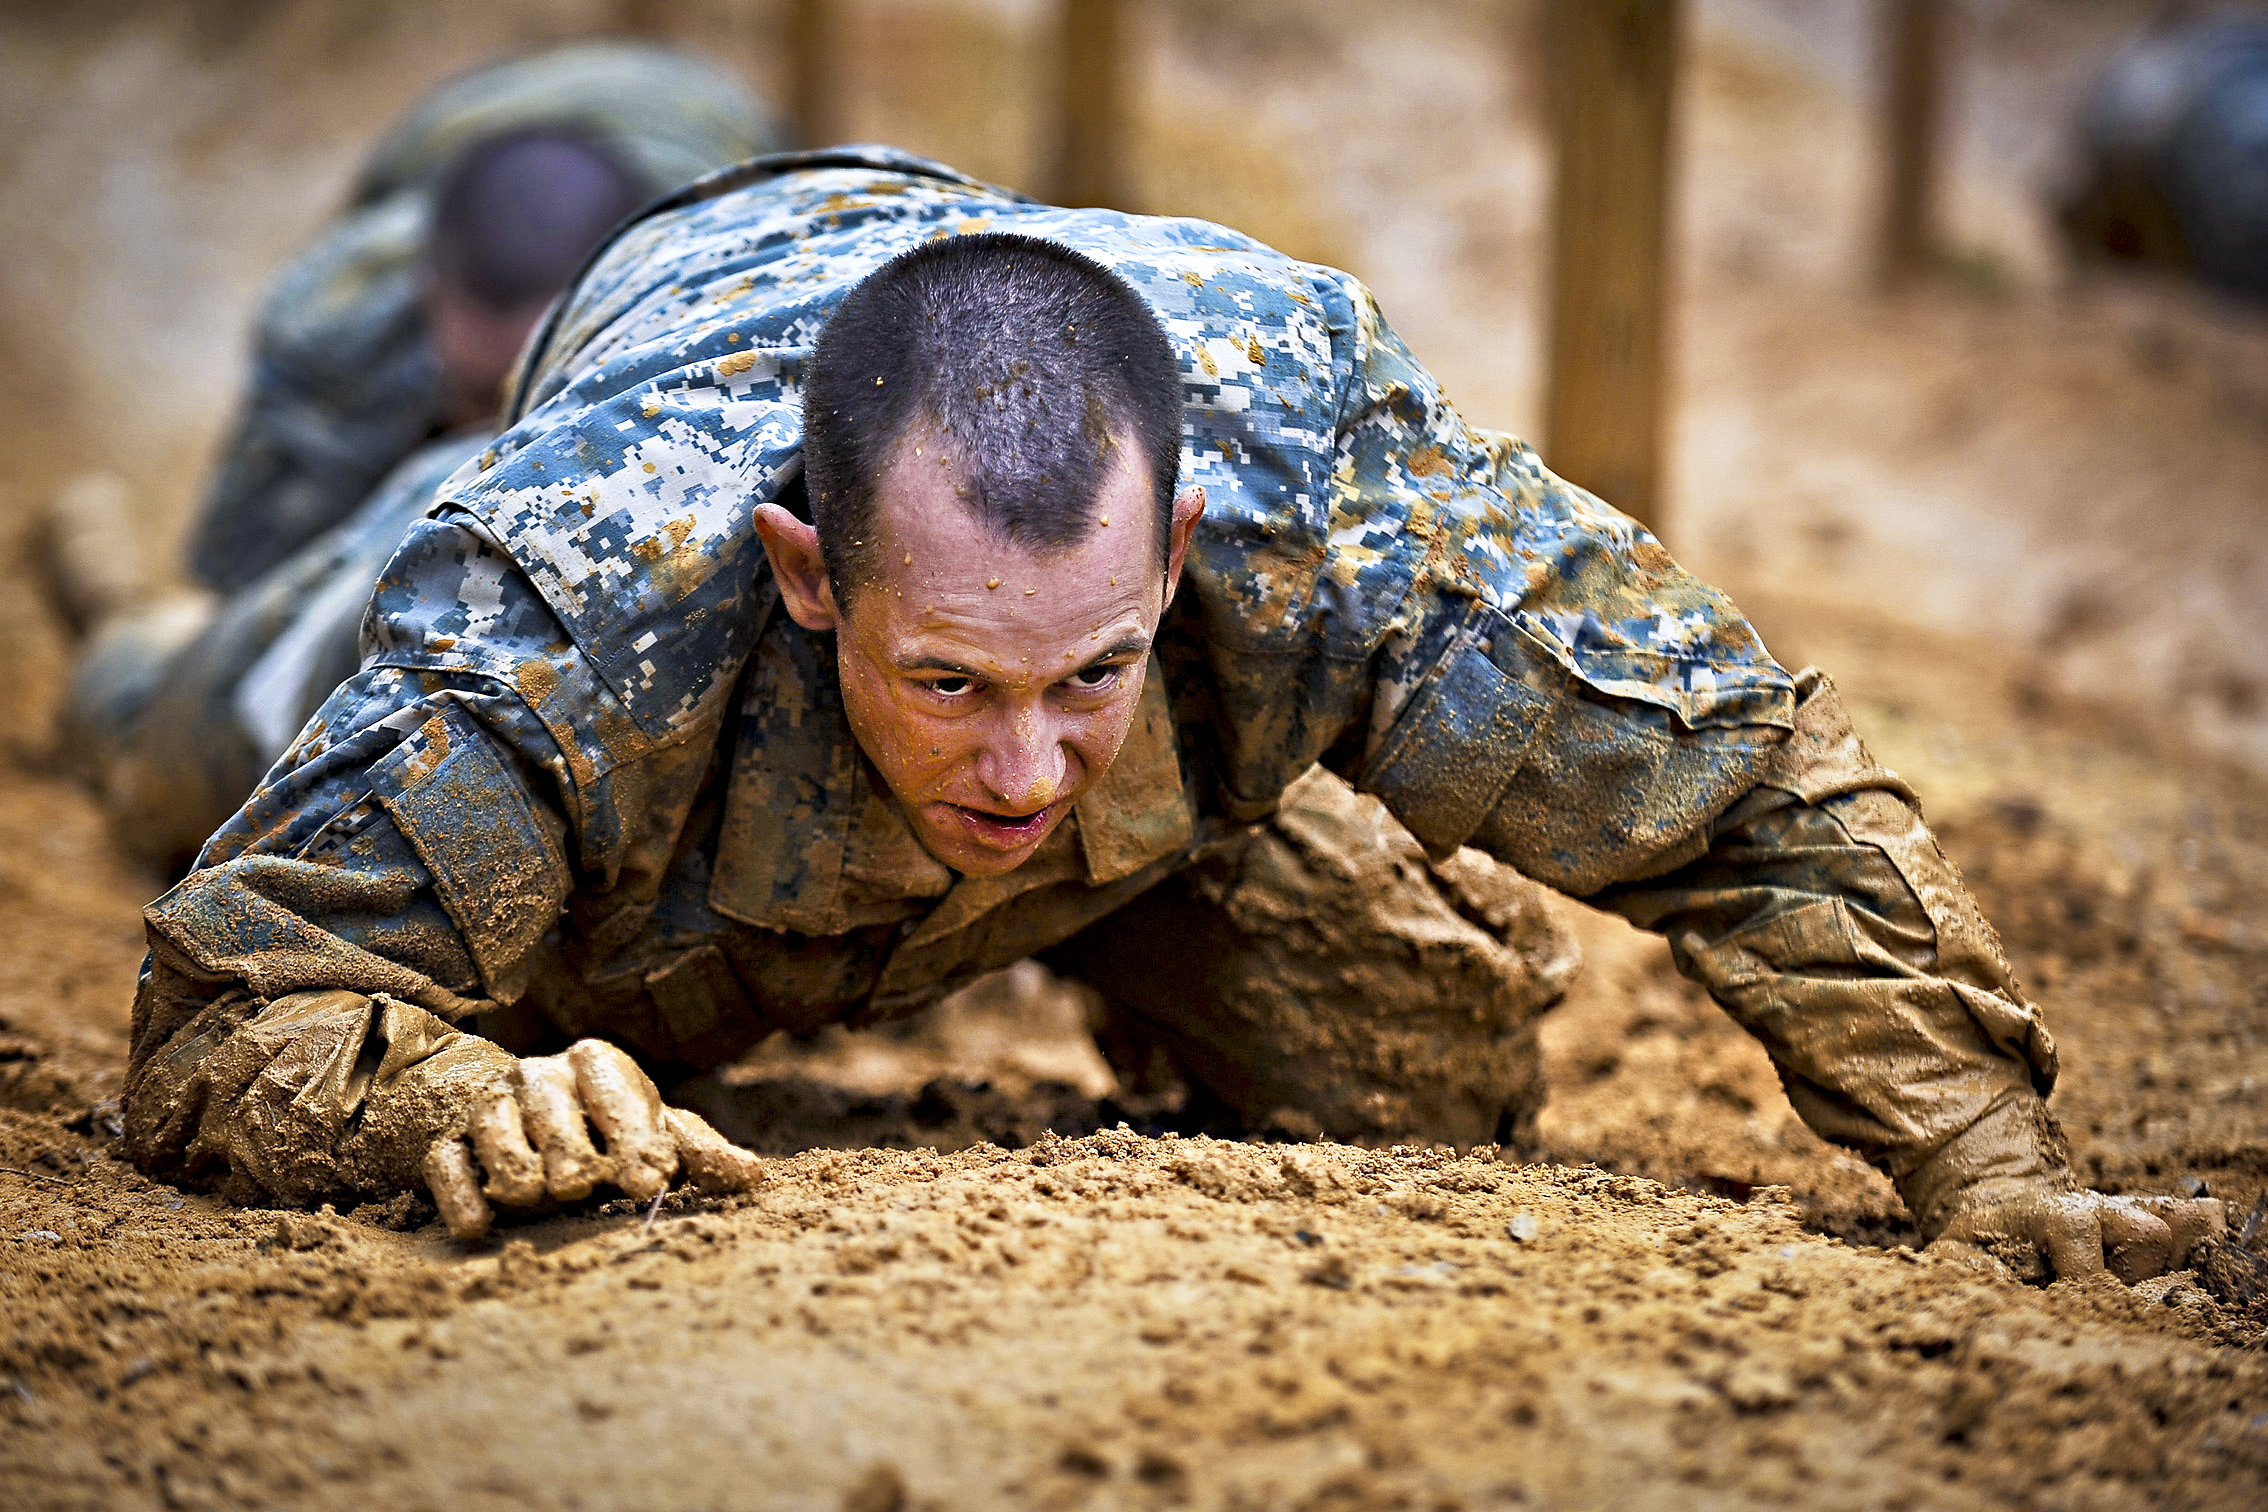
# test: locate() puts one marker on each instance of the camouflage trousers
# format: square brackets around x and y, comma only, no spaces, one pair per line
[1317,975]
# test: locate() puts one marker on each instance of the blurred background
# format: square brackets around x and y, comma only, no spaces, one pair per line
[1976,432]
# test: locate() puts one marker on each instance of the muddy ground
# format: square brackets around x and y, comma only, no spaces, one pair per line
[1692,1302]
[2015,513]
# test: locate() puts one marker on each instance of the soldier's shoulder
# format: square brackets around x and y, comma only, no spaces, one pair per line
[349,303]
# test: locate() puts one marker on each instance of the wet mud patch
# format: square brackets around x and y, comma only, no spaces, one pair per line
[787,1115]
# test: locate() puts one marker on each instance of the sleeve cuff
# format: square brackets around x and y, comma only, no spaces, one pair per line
[2016,1144]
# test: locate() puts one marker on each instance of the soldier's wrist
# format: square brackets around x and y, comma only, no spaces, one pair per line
[2014,1150]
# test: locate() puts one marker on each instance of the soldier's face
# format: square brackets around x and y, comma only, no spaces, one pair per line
[476,346]
[990,686]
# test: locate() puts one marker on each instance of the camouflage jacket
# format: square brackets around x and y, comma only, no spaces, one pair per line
[588,770]
[344,383]
[180,731]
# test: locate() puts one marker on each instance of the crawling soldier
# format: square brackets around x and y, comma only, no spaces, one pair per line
[886,578]
[376,369]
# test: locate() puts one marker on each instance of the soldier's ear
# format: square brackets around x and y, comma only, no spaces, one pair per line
[1188,509]
[799,567]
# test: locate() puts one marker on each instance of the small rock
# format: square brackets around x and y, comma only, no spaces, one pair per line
[1523,1228]
[2167,1289]
[305,1231]
[880,1489]
[1080,1460]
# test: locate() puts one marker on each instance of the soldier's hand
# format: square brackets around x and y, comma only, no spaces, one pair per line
[2083,1233]
[528,1141]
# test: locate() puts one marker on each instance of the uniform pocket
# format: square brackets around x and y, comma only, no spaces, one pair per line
[496,864]
[1466,732]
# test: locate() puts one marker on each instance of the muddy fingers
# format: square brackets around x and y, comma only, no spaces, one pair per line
[2083,1233]
[715,1163]
[552,1107]
[2192,1220]
[455,1185]
[2072,1236]
[622,1103]
[532,1139]
[500,1139]
[2137,1242]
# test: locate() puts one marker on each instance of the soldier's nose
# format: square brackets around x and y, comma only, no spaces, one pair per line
[1028,781]
[1026,767]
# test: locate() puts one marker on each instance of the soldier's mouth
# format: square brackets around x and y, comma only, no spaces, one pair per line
[1002,831]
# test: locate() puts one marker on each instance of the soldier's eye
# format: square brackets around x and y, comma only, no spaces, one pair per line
[950,687]
[1095,677]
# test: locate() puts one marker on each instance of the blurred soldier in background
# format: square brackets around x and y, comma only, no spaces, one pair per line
[2174,146]
[377,367]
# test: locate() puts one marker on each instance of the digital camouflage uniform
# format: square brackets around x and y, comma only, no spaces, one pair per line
[179,712]
[344,382]
[592,781]
[182,709]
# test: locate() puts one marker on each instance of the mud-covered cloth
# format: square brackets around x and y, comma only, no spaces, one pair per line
[344,382]
[179,711]
[1316,973]
[589,782]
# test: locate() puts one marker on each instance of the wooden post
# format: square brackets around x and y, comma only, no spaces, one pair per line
[1087,158]
[1614,73]
[813,81]
[1912,44]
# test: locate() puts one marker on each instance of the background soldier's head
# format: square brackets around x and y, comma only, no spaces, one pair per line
[514,218]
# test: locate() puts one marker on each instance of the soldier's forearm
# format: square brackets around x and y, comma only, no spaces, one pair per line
[1824,918]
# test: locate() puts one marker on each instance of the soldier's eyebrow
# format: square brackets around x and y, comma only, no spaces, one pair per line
[935,664]
[1129,646]
[1132,645]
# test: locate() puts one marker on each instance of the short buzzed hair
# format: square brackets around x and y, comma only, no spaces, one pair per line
[1027,361]
[515,215]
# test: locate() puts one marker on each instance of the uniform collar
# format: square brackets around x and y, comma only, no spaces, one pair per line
[812,843]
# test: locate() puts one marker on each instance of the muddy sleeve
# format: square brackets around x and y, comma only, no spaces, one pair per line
[414,846]
[323,1094]
[1823,917]
[1527,670]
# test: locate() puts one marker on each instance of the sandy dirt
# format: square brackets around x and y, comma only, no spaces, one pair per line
[966,1284]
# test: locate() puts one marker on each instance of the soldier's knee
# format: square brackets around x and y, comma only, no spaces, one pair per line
[1332,888]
